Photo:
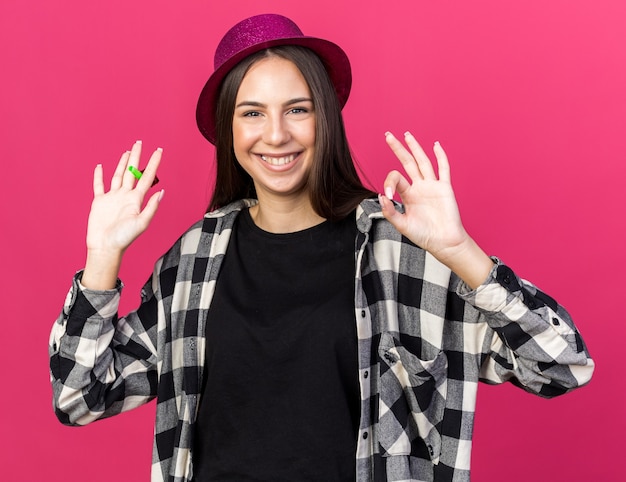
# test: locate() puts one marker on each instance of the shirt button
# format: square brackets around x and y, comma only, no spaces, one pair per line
[364,435]
[556,322]
[362,313]
[365,374]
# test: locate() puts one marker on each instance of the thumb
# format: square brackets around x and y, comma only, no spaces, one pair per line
[151,207]
[396,219]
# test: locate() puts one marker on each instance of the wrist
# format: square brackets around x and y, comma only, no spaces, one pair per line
[101,269]
[468,261]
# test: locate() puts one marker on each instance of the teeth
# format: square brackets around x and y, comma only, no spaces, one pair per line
[279,161]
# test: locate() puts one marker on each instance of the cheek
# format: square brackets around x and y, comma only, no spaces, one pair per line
[239,138]
[307,133]
[244,136]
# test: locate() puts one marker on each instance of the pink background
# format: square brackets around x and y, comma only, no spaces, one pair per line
[528,98]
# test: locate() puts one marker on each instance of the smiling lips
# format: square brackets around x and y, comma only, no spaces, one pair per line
[279,161]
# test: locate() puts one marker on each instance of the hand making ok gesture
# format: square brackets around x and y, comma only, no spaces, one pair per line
[431,218]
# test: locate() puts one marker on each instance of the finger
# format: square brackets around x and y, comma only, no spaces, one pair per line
[118,175]
[423,162]
[396,219]
[405,157]
[98,184]
[128,180]
[150,209]
[150,171]
[442,162]
[395,182]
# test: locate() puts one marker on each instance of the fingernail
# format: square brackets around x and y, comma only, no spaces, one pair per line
[160,149]
[387,133]
[407,133]
[137,142]
[161,194]
[388,192]
[437,143]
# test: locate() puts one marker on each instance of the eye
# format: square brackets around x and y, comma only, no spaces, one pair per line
[251,113]
[299,110]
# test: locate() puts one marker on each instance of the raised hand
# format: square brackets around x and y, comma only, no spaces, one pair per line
[431,218]
[117,217]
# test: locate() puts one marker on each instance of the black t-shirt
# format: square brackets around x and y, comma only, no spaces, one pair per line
[281,397]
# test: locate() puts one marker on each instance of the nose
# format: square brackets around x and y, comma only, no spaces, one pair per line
[276,131]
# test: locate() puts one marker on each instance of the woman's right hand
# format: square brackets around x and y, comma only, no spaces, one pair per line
[116,218]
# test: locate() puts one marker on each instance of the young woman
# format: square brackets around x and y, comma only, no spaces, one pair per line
[305,329]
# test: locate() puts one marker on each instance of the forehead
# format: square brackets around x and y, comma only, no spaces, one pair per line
[273,77]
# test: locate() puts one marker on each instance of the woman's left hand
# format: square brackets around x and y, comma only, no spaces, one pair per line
[431,218]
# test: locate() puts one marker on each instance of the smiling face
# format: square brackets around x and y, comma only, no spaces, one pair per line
[274,129]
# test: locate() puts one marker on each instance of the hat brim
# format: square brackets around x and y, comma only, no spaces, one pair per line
[334,58]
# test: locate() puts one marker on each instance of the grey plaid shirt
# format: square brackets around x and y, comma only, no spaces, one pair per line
[425,340]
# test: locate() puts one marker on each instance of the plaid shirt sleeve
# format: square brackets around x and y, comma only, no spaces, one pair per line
[100,364]
[537,346]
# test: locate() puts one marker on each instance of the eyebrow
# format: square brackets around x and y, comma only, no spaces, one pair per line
[252,103]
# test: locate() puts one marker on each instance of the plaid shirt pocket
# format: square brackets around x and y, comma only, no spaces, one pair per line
[412,401]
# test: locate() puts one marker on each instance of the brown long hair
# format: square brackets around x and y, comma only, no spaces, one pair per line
[334,185]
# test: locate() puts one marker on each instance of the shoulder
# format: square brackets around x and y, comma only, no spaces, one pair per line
[215,222]
[370,220]
[393,252]
[198,239]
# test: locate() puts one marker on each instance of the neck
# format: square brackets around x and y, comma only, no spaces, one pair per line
[281,216]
